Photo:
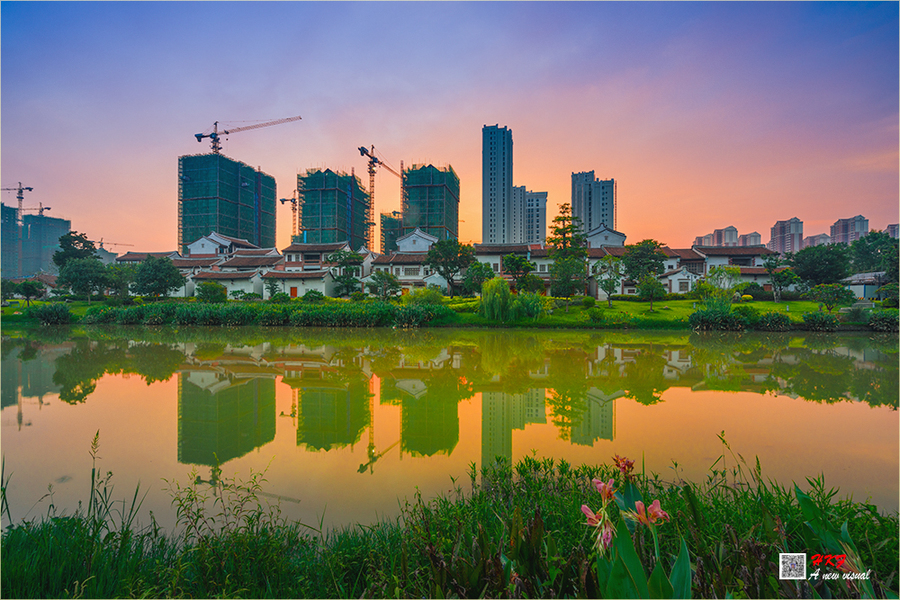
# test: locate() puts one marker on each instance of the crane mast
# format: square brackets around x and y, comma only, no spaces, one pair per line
[373,162]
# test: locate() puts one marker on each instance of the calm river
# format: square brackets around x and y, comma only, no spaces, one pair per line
[346,422]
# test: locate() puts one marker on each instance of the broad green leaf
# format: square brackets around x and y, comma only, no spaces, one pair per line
[625,548]
[681,573]
[658,584]
[620,583]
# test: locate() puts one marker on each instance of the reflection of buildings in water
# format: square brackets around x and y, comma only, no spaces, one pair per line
[223,415]
[599,422]
[501,413]
[22,378]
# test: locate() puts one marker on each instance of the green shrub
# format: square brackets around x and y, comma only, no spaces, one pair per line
[774,321]
[212,292]
[358,296]
[755,291]
[748,313]
[133,315]
[890,303]
[746,298]
[588,302]
[716,319]
[819,321]
[424,296]
[186,315]
[100,314]
[282,298]
[856,314]
[884,320]
[159,314]
[312,296]
[238,314]
[52,314]
[528,304]
[274,316]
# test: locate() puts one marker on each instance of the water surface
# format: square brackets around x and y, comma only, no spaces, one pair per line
[346,424]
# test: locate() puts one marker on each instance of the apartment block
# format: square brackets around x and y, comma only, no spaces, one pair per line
[216,193]
[847,231]
[823,239]
[39,241]
[496,184]
[786,236]
[390,230]
[750,239]
[528,216]
[893,230]
[593,200]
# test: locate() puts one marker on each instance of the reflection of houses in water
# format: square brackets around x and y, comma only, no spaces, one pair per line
[428,392]
[501,413]
[224,414]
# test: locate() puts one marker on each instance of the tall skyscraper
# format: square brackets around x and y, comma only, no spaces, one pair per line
[431,201]
[786,236]
[593,201]
[847,231]
[216,193]
[334,208]
[496,184]
[528,216]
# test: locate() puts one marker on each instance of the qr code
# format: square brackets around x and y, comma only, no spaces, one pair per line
[792,566]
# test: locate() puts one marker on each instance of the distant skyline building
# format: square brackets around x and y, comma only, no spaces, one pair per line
[216,193]
[528,216]
[334,208]
[593,201]
[431,201]
[893,230]
[786,236]
[847,231]
[9,242]
[750,239]
[719,237]
[823,239]
[496,184]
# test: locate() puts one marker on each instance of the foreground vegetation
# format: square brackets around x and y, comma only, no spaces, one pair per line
[520,532]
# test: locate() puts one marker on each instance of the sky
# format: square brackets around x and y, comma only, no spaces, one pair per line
[706,114]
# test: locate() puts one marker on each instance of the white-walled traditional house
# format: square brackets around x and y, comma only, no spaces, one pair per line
[248,282]
[604,236]
[408,263]
[216,244]
[135,258]
[295,283]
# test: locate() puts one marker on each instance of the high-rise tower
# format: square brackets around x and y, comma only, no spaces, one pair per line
[334,208]
[593,201]
[496,184]
[431,201]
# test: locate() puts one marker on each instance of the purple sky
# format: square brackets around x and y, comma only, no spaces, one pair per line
[707,114]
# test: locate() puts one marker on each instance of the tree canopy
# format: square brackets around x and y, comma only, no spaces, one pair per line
[476,274]
[815,265]
[874,252]
[517,267]
[383,284]
[448,258]
[348,264]
[609,270]
[83,276]
[566,239]
[73,245]
[642,259]
[157,277]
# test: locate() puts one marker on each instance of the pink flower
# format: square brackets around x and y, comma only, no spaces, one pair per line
[604,537]
[647,516]
[624,465]
[592,519]
[606,489]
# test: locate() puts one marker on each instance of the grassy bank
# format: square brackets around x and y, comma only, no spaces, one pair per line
[520,532]
[672,315]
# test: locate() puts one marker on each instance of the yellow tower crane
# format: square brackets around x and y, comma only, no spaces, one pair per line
[215,134]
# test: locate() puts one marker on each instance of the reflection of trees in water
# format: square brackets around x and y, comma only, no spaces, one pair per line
[644,378]
[568,390]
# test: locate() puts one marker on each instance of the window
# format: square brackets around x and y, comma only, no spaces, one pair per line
[543,268]
[411,271]
[684,286]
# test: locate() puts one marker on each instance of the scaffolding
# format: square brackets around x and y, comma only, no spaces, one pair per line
[431,201]
[218,194]
[334,208]
[391,227]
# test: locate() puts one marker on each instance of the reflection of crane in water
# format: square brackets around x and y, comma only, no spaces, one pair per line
[373,456]
[215,472]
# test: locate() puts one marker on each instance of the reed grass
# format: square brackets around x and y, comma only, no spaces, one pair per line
[519,532]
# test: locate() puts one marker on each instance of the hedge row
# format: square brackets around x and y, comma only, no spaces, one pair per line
[363,314]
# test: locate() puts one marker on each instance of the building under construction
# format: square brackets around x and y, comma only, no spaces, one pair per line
[431,201]
[391,227]
[334,208]
[216,193]
[39,236]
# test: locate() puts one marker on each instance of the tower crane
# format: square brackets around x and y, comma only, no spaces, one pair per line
[295,206]
[100,243]
[373,162]
[40,208]
[215,135]
[20,196]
